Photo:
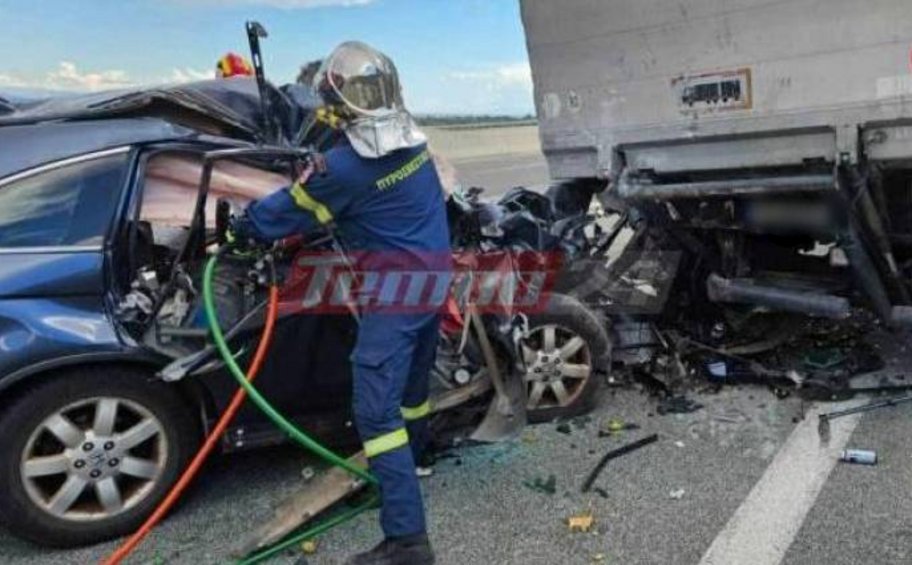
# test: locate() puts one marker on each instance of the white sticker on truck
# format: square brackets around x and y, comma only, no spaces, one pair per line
[551,105]
[891,87]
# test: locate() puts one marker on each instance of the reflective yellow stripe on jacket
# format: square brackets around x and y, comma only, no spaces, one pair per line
[411,413]
[307,202]
[387,442]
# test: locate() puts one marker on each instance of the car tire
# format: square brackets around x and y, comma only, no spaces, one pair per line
[89,453]
[564,337]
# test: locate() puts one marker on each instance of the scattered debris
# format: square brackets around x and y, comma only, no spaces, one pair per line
[731,418]
[679,444]
[823,427]
[643,376]
[601,492]
[581,523]
[308,473]
[567,427]
[547,486]
[613,454]
[598,557]
[814,357]
[423,472]
[580,422]
[677,405]
[309,547]
[780,392]
[615,426]
[824,359]
[717,370]
[859,456]
[677,494]
[529,437]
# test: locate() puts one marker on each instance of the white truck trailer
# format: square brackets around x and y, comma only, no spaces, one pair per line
[770,141]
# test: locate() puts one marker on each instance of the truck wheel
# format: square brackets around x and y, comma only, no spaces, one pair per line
[566,350]
[88,454]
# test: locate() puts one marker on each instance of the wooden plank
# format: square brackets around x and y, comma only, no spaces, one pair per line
[323,491]
[336,484]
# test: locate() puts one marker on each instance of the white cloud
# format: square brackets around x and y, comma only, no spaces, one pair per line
[513,75]
[485,89]
[187,74]
[67,76]
[11,81]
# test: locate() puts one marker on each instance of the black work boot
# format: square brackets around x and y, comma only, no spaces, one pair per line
[409,550]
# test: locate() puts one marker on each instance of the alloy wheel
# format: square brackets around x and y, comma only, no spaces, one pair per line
[558,366]
[94,459]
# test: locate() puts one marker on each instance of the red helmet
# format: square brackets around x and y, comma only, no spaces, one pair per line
[233,65]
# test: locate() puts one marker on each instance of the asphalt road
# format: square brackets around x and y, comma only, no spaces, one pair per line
[757,486]
[499,174]
[864,513]
[480,510]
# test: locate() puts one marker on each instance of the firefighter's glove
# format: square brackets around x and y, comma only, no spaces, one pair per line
[239,238]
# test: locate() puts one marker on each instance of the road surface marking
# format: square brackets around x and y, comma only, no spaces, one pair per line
[764,526]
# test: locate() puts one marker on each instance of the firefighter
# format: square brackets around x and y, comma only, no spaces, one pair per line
[380,192]
[233,65]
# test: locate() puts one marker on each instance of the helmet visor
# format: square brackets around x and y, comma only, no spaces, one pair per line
[361,78]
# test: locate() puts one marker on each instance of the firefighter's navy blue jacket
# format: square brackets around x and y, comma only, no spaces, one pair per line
[394,203]
[390,212]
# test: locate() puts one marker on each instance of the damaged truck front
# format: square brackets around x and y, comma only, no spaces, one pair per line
[765,146]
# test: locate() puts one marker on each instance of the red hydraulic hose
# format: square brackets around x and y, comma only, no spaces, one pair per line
[211,440]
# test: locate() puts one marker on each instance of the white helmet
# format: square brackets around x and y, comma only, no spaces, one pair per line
[365,82]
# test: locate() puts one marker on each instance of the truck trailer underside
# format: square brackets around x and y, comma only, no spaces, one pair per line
[768,143]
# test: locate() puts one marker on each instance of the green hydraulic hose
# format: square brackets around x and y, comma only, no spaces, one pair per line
[296,434]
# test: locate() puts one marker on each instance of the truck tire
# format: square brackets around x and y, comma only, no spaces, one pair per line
[566,351]
[89,453]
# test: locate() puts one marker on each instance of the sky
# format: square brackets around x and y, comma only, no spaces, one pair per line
[454,56]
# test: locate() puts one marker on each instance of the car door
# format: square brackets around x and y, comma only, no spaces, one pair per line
[54,221]
[307,373]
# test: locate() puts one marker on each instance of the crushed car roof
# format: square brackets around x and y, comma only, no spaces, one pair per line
[229,108]
[37,144]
